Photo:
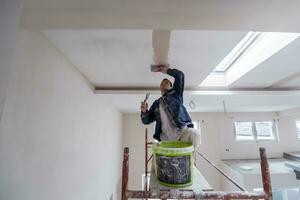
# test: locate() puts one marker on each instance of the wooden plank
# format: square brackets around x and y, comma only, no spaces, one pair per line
[182,194]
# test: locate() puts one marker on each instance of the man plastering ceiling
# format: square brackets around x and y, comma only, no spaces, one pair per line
[172,119]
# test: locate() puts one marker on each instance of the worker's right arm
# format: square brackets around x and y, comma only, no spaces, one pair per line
[147,116]
[179,80]
[177,75]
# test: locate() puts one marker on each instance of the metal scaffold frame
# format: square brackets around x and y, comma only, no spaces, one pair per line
[190,194]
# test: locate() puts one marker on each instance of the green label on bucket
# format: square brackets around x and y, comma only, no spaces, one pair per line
[173,170]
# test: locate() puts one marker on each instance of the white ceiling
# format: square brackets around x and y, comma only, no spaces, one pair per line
[109,41]
[238,15]
[108,58]
[122,58]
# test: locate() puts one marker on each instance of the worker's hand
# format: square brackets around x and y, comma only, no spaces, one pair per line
[163,69]
[144,107]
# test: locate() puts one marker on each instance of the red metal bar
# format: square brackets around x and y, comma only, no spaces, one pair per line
[125,172]
[146,160]
[265,174]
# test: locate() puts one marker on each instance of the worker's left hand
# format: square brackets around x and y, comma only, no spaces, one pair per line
[164,69]
[144,106]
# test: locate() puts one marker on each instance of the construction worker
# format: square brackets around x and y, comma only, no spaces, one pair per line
[172,119]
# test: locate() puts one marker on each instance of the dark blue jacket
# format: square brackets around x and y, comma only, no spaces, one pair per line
[173,102]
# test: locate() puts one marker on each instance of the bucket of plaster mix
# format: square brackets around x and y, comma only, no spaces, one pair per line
[173,163]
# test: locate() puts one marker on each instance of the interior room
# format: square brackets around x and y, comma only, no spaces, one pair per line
[74,73]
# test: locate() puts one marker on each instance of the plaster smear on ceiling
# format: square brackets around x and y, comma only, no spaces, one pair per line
[161,46]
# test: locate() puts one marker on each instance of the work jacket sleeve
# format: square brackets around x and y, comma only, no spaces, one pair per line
[179,80]
[149,116]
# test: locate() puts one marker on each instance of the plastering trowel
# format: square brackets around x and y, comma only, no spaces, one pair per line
[155,68]
[147,97]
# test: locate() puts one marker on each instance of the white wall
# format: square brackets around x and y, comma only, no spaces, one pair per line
[58,140]
[210,146]
[217,136]
[134,137]
[239,150]
[10,12]
[245,150]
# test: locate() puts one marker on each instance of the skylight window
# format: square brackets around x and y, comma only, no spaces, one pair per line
[238,51]
[250,52]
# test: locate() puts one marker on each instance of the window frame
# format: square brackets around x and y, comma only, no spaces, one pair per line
[275,137]
[235,132]
[274,131]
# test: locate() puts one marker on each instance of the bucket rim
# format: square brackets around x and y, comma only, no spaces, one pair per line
[173,146]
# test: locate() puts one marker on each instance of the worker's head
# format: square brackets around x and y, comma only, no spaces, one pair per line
[165,85]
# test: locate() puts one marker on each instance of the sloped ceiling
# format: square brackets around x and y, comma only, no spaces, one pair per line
[280,71]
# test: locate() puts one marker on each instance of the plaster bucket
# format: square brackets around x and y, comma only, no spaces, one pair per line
[173,163]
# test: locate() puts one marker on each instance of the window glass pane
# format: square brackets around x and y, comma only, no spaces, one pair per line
[298,128]
[264,130]
[243,131]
